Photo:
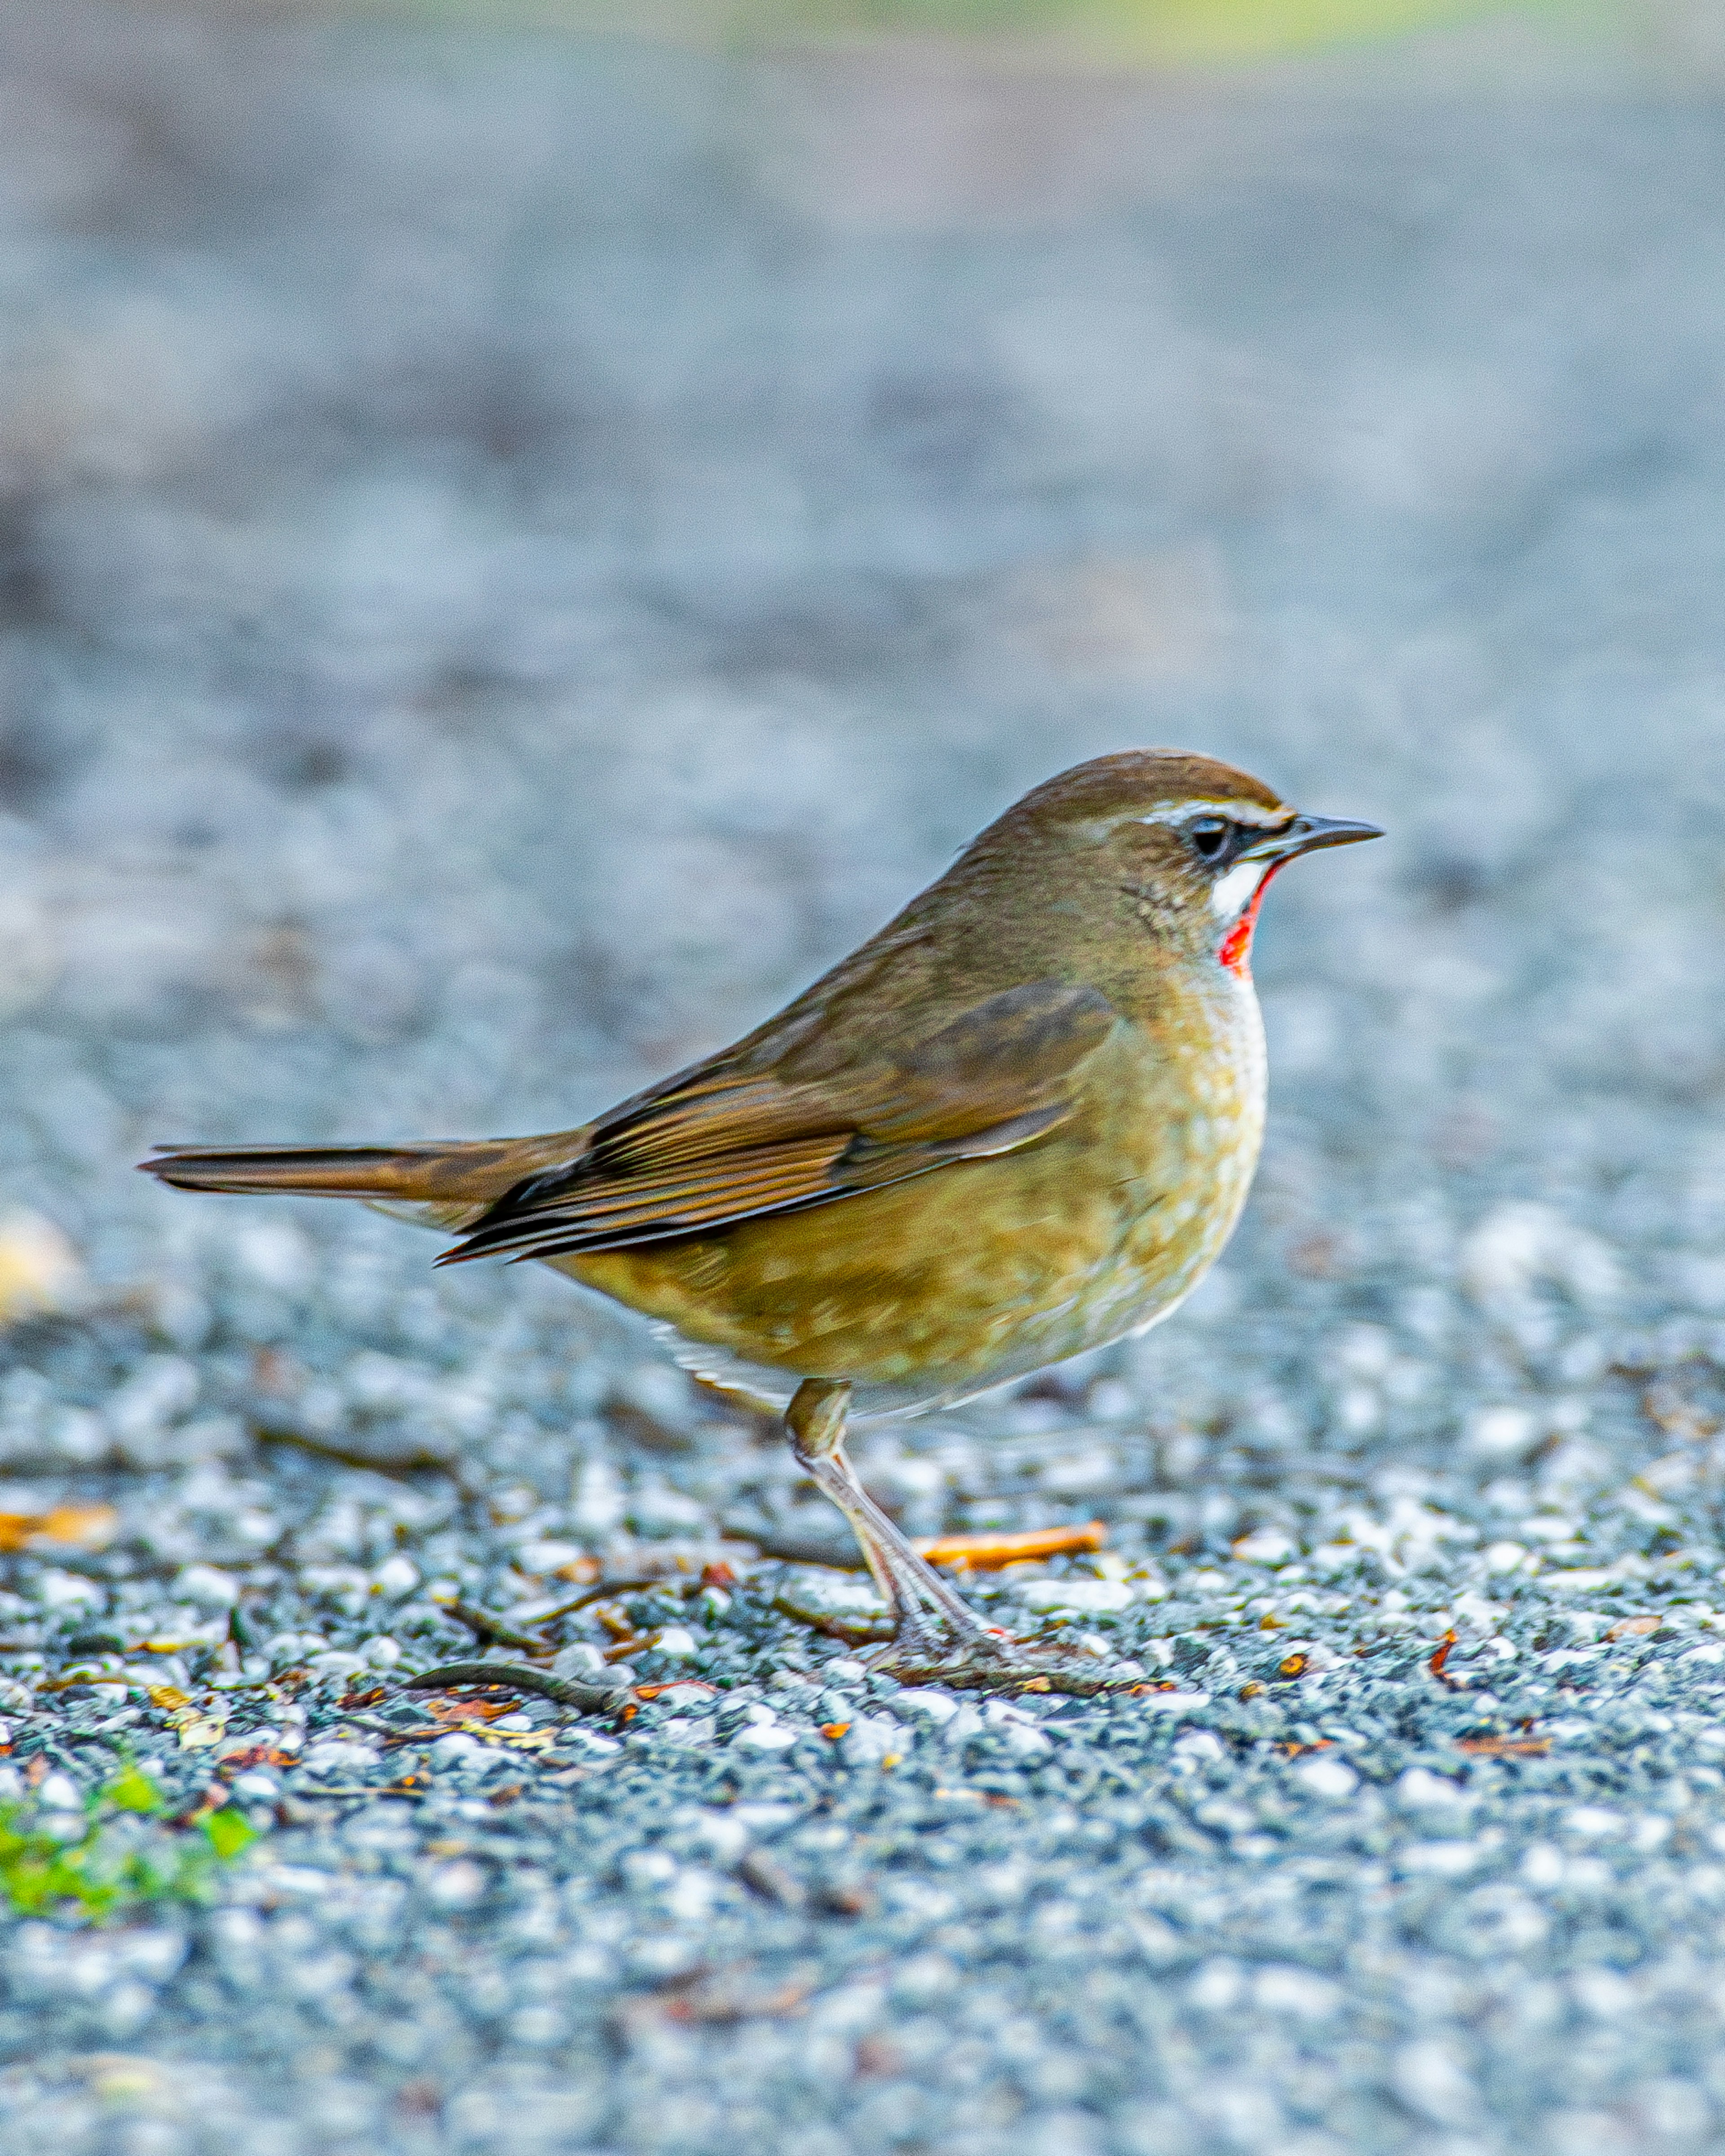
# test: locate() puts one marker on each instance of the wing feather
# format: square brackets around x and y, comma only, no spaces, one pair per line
[730,1141]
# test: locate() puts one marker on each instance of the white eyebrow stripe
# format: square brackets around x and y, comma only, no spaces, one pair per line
[1230,894]
[1237,812]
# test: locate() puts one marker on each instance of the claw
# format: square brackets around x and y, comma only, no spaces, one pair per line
[1010,1666]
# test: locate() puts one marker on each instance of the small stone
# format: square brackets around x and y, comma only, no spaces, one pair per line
[206,1586]
[40,1273]
[458,1886]
[397,1575]
[336,1752]
[1085,1595]
[1333,1780]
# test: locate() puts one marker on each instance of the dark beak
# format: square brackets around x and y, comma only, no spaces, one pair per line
[1304,835]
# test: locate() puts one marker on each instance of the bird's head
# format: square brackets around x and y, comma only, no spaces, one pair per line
[1182,846]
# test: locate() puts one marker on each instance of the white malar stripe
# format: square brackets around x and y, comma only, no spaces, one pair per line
[1232,894]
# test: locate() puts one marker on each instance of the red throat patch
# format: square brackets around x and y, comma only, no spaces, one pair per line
[1236,951]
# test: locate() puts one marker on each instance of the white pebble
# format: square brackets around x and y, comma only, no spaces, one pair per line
[869,1739]
[457,1885]
[39,1269]
[207,1586]
[766,1736]
[940,1706]
[1419,1789]
[1432,2081]
[1330,1779]
[1501,1433]
[453,1750]
[1264,1546]
[1087,1595]
[1439,1860]
[340,1752]
[67,1590]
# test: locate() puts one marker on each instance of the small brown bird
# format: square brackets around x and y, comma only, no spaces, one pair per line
[1019,1122]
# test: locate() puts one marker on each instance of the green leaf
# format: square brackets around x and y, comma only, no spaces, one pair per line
[132,1790]
[228,1833]
[106,1870]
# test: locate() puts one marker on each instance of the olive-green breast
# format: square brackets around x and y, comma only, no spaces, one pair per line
[985,1268]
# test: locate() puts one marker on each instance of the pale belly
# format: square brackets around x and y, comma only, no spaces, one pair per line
[935,1289]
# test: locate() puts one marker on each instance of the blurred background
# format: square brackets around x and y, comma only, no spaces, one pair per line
[526,531]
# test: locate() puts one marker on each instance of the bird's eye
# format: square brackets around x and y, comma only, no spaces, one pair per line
[1210,835]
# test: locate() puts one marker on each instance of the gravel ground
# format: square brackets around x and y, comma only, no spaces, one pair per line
[512,555]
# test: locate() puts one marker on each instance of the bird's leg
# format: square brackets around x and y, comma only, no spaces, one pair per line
[815,1422]
[923,1606]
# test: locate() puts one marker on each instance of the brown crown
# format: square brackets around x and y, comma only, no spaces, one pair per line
[1132,782]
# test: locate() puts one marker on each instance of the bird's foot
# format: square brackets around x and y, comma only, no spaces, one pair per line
[937,1638]
[986,1661]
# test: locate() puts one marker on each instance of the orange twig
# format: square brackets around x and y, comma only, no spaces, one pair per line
[73,1527]
[987,1553]
[1442,1655]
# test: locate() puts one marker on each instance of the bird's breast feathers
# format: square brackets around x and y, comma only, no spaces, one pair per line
[939,1285]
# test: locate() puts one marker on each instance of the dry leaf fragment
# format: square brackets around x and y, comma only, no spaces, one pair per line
[1676,1416]
[1504,1748]
[718,2001]
[240,1756]
[168,1698]
[772,1880]
[1631,1628]
[449,1709]
[64,1526]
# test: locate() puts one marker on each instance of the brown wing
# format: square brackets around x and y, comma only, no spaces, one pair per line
[730,1141]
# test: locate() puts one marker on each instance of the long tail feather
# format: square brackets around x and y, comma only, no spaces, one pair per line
[464,1173]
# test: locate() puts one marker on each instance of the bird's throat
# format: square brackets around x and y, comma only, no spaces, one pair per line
[1235,950]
